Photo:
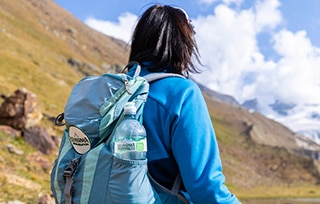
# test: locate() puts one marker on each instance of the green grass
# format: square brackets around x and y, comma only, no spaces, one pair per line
[22,178]
[250,163]
[302,191]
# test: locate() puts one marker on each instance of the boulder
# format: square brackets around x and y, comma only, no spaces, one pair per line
[20,110]
[39,138]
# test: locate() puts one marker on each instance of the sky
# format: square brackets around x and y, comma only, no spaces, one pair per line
[251,49]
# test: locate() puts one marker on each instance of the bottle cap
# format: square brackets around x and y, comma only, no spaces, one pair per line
[130,108]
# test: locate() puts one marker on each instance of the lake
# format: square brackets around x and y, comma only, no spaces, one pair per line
[284,201]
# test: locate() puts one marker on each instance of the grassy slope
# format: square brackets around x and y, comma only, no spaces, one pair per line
[34,53]
[36,45]
[34,50]
[33,58]
[255,170]
[21,176]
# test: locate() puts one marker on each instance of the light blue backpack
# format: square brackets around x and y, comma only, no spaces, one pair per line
[85,170]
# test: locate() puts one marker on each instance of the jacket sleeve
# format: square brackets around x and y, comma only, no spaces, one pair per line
[196,151]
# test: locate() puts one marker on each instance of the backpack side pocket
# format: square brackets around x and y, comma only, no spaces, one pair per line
[129,182]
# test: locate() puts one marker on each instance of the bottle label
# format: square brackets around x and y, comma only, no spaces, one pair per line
[130,146]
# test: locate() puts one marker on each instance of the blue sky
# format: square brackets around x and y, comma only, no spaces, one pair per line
[263,49]
[298,14]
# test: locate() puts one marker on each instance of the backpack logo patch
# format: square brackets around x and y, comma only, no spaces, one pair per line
[79,140]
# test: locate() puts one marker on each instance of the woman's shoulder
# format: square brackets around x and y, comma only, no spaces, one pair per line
[174,88]
[166,82]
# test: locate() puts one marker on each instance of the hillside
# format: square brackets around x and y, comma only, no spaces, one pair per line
[39,38]
[260,156]
[47,50]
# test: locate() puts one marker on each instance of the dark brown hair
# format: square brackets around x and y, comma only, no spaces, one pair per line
[164,37]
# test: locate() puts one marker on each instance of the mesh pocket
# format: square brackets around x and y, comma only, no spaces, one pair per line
[129,182]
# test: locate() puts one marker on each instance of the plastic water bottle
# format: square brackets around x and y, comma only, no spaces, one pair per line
[129,139]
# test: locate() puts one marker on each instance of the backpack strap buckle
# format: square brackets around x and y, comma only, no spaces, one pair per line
[127,85]
[68,173]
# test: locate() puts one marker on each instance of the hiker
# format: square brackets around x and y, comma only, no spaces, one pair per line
[181,139]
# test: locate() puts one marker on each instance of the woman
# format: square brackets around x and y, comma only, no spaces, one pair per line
[181,138]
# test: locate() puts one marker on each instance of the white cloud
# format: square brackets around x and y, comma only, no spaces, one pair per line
[235,65]
[121,30]
[298,69]
[228,46]
[267,14]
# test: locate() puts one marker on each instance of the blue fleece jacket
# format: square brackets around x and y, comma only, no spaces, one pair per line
[181,138]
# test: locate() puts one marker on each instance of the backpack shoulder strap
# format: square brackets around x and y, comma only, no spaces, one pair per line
[178,182]
[174,190]
[160,75]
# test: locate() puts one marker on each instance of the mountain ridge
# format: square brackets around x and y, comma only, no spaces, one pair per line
[306,139]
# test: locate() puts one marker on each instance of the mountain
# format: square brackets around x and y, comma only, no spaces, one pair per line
[304,123]
[219,96]
[304,120]
[47,50]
